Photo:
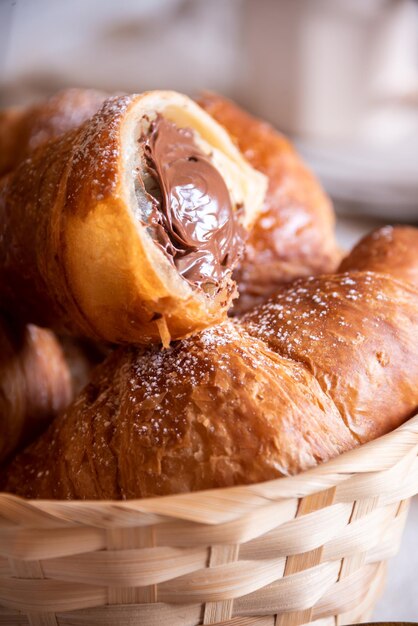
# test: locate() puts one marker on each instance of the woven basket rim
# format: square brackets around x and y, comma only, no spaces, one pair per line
[375,456]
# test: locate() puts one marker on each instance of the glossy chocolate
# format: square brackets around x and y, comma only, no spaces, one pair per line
[192,216]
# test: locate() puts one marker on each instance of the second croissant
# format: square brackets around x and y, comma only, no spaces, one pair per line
[328,364]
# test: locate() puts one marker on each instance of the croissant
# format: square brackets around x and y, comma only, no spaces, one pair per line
[35,383]
[388,247]
[22,129]
[294,235]
[327,364]
[127,228]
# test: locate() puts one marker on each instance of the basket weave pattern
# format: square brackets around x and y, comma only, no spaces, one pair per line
[285,552]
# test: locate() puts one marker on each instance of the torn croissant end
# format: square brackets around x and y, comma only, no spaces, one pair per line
[140,214]
[164,332]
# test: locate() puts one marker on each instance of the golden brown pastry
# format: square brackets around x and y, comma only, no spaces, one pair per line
[35,383]
[357,333]
[394,247]
[22,129]
[127,228]
[204,413]
[327,364]
[294,235]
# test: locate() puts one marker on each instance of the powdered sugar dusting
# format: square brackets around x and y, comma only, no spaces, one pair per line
[187,360]
[64,111]
[314,310]
[386,232]
[97,150]
[206,359]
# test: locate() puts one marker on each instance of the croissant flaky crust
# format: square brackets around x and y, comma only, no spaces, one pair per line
[22,129]
[35,383]
[329,363]
[294,235]
[80,247]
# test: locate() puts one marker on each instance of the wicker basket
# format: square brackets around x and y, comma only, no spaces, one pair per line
[290,551]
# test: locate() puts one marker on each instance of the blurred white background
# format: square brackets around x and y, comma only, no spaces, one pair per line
[340,76]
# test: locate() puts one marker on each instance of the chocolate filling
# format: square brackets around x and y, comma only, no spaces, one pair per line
[191,215]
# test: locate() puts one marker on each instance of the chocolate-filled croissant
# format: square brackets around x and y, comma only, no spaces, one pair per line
[127,228]
[329,363]
[35,383]
[294,235]
[22,129]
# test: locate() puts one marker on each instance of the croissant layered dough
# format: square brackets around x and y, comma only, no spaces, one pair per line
[294,235]
[79,242]
[329,363]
